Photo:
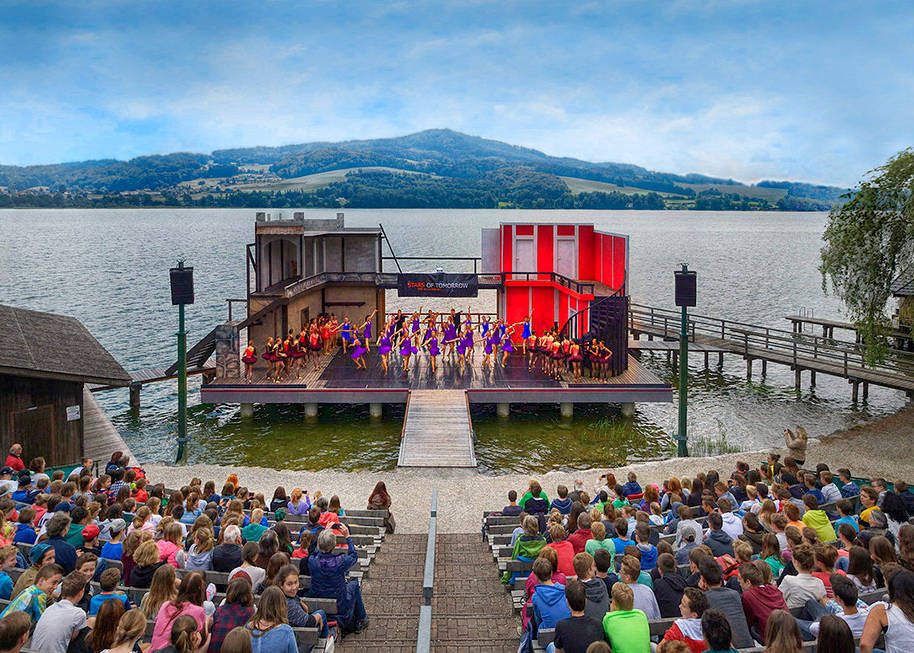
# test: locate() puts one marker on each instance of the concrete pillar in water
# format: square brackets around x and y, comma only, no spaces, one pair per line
[135,395]
[855,391]
[720,359]
[764,368]
[866,390]
[748,368]
[376,410]
[503,409]
[310,410]
[675,360]
[628,409]
[812,378]
[566,409]
[247,410]
[797,377]
[706,360]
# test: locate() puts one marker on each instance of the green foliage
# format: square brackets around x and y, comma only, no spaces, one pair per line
[868,241]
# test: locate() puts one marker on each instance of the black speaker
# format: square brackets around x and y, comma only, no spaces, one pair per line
[182,286]
[686,288]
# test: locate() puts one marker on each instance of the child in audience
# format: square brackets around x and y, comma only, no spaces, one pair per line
[108,582]
[7,561]
[599,540]
[512,508]
[563,548]
[648,550]
[563,503]
[625,627]
[548,600]
[576,633]
[716,632]
[34,598]
[629,572]
[804,586]
[846,515]
[603,563]
[597,595]
[688,628]
[632,487]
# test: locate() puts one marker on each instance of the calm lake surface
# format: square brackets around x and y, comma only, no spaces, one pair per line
[109,268]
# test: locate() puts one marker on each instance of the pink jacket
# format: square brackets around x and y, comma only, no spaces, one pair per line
[168,551]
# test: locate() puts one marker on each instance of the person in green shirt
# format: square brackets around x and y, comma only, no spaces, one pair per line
[535,490]
[599,541]
[716,631]
[626,629]
[79,517]
[818,519]
[527,545]
[254,530]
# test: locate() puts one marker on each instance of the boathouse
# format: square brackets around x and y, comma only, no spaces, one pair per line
[45,361]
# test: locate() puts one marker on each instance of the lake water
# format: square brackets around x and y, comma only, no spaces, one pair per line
[109,268]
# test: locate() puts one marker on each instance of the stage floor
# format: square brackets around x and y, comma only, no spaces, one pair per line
[338,381]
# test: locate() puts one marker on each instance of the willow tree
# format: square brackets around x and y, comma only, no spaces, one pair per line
[868,241]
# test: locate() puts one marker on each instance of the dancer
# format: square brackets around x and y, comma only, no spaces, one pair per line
[546,352]
[315,343]
[557,357]
[268,356]
[491,342]
[298,353]
[432,345]
[249,358]
[384,346]
[506,346]
[407,349]
[358,353]
[280,356]
[450,336]
[526,332]
[366,330]
[461,349]
[576,359]
[326,334]
[605,355]
[346,330]
[593,351]
[531,344]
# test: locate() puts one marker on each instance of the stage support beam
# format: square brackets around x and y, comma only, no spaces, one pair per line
[503,409]
[566,408]
[628,409]
[376,410]
[247,411]
[311,410]
[135,395]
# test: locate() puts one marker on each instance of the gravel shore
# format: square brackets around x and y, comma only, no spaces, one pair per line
[881,448]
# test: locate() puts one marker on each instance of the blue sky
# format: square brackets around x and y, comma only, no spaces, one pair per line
[816,91]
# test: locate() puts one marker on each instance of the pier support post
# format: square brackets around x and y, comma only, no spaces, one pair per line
[628,409]
[706,360]
[764,368]
[376,410]
[855,391]
[812,378]
[247,411]
[135,395]
[866,390]
[720,359]
[503,409]
[748,368]
[675,361]
[310,410]
[797,378]
[566,409]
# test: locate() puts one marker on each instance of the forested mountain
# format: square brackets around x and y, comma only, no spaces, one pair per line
[432,168]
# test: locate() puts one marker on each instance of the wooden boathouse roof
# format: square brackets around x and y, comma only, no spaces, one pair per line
[51,346]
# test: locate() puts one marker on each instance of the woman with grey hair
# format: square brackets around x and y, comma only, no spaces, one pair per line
[328,578]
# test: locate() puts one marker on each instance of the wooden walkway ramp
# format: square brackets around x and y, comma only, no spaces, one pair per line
[437,430]
[100,438]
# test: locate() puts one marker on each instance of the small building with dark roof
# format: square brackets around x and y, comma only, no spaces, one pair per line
[45,360]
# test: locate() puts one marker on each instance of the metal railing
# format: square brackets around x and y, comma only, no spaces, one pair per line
[845,358]
[424,637]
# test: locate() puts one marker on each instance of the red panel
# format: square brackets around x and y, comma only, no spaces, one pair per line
[543,308]
[620,265]
[507,247]
[516,303]
[544,250]
[524,229]
[565,230]
[563,310]
[586,252]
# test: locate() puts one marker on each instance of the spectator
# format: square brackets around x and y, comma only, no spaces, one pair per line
[238,640]
[869,497]
[718,540]
[668,589]
[688,628]
[33,599]
[188,603]
[644,599]
[715,630]
[861,571]
[147,559]
[896,620]
[256,573]
[8,558]
[783,633]
[830,491]
[548,600]
[104,629]
[64,552]
[130,629]
[328,579]
[846,606]
[270,630]
[62,621]
[108,583]
[632,487]
[724,599]
[299,502]
[200,554]
[237,610]
[846,515]
[625,627]
[113,549]
[730,522]
[752,532]
[14,458]
[835,636]
[228,555]
[621,540]
[598,539]
[583,533]
[688,543]
[804,586]
[771,554]
[848,487]
[288,581]
[597,595]
[825,557]
[512,508]
[603,562]
[575,633]
[164,587]
[530,585]
[562,503]
[817,519]
[39,555]
[25,532]
[535,491]
[563,549]
[759,599]
[184,636]
[648,551]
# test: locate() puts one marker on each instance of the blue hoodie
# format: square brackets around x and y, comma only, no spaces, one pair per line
[648,556]
[562,505]
[549,606]
[25,533]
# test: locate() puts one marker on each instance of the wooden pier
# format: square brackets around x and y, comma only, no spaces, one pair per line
[437,431]
[800,352]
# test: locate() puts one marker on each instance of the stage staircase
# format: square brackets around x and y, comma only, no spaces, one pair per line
[437,431]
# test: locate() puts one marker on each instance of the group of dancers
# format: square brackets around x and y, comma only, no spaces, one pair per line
[449,335]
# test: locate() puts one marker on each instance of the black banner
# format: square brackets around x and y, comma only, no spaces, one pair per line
[437,285]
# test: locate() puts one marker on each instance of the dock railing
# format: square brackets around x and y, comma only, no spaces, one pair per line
[424,638]
[786,346]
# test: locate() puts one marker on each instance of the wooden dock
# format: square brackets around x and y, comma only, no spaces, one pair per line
[437,431]
[100,438]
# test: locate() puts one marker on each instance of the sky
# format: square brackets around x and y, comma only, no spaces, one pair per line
[817,91]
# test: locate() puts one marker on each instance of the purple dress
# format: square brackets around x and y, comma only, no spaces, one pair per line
[385,345]
[406,348]
[357,351]
[433,346]
[368,330]
[490,343]
[506,345]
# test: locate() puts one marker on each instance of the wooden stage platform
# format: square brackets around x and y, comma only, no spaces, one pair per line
[338,381]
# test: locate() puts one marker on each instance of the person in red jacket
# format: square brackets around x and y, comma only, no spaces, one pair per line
[688,628]
[563,548]
[14,459]
[759,600]
[579,538]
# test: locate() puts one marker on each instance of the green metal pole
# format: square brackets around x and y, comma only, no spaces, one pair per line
[681,448]
[182,381]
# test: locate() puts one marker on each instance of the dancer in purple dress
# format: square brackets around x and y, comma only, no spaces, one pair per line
[431,336]
[366,330]
[358,353]
[407,349]
[506,346]
[384,347]
[491,341]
